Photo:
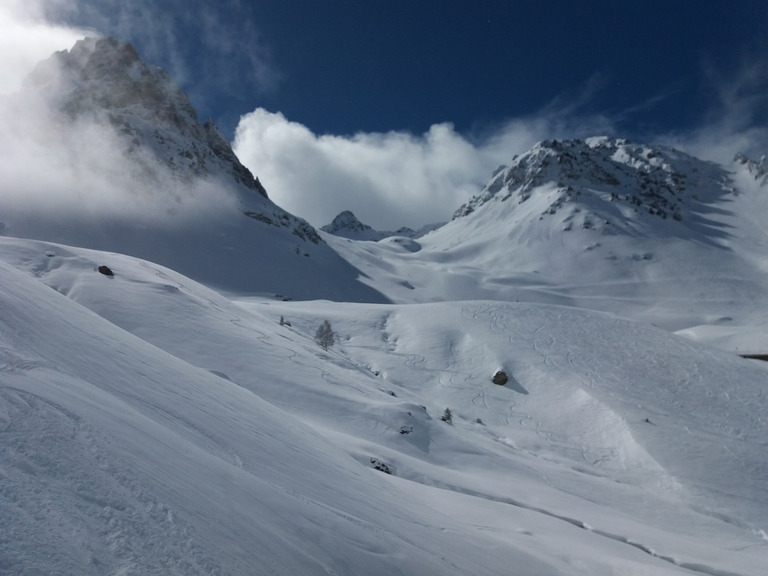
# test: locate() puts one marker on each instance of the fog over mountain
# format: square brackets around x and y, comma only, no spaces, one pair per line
[106,151]
[550,383]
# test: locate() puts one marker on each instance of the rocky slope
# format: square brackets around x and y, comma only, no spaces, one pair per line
[104,80]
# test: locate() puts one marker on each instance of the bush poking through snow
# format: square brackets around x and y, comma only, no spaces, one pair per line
[447,416]
[325,335]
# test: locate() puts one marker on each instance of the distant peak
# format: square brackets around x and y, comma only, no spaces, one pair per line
[347,219]
[346,225]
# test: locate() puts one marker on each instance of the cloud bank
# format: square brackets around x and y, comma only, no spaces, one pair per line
[399,179]
[389,179]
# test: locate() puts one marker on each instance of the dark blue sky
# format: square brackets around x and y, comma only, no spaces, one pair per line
[344,66]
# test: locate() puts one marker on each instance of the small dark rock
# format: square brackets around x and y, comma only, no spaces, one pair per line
[500,378]
[380,466]
[106,270]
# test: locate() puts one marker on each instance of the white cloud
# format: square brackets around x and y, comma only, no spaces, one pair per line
[388,179]
[25,39]
[399,179]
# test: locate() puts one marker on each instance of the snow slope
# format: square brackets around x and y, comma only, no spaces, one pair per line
[150,425]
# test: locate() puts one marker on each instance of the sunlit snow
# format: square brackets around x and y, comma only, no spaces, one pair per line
[150,425]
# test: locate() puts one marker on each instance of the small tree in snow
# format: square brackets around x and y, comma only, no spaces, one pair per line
[447,416]
[325,335]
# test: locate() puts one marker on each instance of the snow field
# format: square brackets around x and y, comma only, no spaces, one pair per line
[150,425]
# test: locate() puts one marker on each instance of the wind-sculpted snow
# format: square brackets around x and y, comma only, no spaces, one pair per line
[150,425]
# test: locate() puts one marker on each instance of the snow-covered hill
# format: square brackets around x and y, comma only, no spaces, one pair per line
[149,425]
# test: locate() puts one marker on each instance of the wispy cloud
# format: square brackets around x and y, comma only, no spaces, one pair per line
[212,49]
[26,38]
[737,118]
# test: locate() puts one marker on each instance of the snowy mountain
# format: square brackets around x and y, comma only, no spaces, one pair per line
[646,232]
[346,225]
[603,182]
[547,385]
[125,165]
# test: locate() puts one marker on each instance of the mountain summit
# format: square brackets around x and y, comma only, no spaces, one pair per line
[605,184]
[104,80]
[347,225]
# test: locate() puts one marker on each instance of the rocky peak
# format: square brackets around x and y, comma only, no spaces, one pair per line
[104,80]
[584,175]
[346,225]
[346,220]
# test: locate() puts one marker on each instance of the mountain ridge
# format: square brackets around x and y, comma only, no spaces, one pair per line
[139,173]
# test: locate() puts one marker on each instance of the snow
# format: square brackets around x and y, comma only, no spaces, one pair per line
[151,425]
[178,417]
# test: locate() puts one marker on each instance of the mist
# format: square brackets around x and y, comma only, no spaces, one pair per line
[67,162]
